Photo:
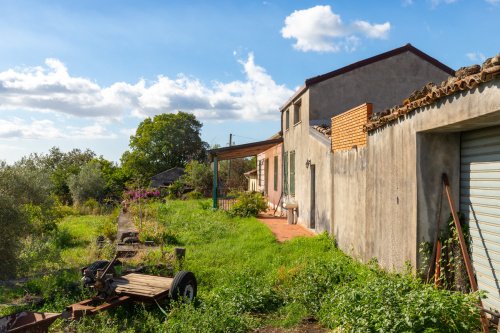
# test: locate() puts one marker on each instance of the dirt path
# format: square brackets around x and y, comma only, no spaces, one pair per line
[125,224]
[282,230]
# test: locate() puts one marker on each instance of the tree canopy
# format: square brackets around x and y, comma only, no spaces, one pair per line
[164,142]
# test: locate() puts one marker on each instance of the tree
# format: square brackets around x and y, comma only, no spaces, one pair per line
[114,176]
[199,176]
[235,180]
[60,166]
[26,207]
[164,142]
[89,183]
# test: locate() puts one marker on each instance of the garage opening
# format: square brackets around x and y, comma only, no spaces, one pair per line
[480,203]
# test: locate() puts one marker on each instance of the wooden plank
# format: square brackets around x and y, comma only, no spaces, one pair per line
[137,276]
[156,285]
[141,285]
[156,281]
[149,290]
[165,282]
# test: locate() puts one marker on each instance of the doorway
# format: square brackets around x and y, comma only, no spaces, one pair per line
[312,222]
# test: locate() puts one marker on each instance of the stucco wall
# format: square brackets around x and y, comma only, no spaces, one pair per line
[384,83]
[272,194]
[349,200]
[404,164]
[316,148]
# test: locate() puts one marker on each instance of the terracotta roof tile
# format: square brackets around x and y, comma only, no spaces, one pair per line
[465,78]
[323,129]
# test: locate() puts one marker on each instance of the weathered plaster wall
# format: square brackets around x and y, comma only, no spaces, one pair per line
[384,83]
[309,146]
[349,200]
[404,164]
[406,161]
[272,194]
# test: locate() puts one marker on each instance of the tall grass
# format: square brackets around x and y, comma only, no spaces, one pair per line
[247,280]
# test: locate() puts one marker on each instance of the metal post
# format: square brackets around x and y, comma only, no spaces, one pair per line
[214,193]
[463,248]
[229,169]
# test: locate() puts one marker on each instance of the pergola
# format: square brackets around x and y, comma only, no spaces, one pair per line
[237,151]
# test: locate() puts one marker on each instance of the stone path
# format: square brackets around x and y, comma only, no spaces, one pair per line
[125,224]
[282,230]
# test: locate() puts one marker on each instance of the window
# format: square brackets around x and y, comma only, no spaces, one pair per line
[285,173]
[276,172]
[260,173]
[292,172]
[296,112]
[287,119]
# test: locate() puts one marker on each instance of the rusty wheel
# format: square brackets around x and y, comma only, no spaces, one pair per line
[184,286]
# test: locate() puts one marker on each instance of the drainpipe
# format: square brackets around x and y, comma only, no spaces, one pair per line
[282,160]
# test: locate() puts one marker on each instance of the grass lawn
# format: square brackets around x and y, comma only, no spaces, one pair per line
[248,280]
[81,233]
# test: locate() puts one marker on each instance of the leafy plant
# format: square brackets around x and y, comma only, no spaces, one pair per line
[248,204]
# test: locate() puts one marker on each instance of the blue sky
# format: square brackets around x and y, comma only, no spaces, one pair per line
[85,73]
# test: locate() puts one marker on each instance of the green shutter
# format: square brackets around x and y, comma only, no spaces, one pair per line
[276,172]
[292,172]
[285,173]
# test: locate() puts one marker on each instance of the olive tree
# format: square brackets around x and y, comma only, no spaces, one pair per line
[89,183]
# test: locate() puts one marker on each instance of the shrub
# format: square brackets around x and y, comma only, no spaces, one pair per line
[199,176]
[398,304]
[110,229]
[248,204]
[194,195]
[175,190]
[12,223]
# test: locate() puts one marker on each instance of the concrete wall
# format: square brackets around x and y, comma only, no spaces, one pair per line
[314,146]
[404,163]
[384,83]
[349,201]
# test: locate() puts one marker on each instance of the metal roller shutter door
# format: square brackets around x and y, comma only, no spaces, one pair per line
[480,203]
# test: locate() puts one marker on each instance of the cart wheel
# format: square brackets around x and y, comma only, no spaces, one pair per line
[184,285]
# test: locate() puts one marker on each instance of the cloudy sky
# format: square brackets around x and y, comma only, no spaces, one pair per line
[84,73]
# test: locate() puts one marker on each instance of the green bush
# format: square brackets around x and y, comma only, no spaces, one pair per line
[110,229]
[176,189]
[195,195]
[248,204]
[398,304]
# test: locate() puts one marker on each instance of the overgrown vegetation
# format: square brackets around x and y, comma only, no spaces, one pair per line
[248,204]
[248,280]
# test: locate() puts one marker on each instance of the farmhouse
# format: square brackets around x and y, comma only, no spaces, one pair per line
[370,173]
[383,80]
[387,192]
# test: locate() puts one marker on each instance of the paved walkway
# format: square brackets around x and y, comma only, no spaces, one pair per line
[282,230]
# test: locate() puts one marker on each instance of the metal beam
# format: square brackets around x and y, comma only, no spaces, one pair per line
[214,192]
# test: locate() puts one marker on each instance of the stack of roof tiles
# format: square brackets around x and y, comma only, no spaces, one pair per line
[465,78]
[323,129]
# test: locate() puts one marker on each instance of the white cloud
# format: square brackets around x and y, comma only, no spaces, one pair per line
[321,30]
[380,31]
[406,3]
[51,88]
[17,128]
[493,2]
[476,56]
